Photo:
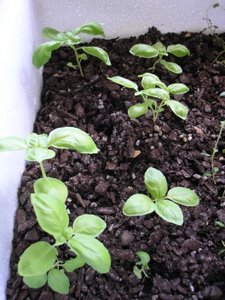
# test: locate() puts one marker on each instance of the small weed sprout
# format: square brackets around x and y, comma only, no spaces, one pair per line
[142,265]
[163,202]
[155,95]
[39,263]
[158,50]
[72,39]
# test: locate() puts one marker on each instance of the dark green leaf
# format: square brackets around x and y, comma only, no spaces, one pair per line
[51,186]
[58,281]
[88,224]
[99,53]
[39,154]
[37,259]
[12,143]
[178,108]
[35,282]
[183,196]
[124,82]
[73,139]
[143,50]
[73,264]
[169,211]
[172,67]
[155,183]
[43,53]
[92,251]
[137,110]
[138,205]
[178,50]
[178,88]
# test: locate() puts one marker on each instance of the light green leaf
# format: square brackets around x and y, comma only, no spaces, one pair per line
[144,257]
[183,196]
[155,183]
[55,188]
[178,88]
[155,92]
[35,140]
[172,67]
[137,110]
[222,94]
[99,53]
[12,143]
[178,50]
[73,264]
[39,154]
[150,81]
[50,33]
[88,224]
[37,259]
[178,108]
[169,211]
[69,38]
[35,282]
[92,251]
[51,214]
[90,28]
[160,47]
[73,139]
[124,82]
[137,272]
[138,205]
[43,53]
[58,281]
[143,50]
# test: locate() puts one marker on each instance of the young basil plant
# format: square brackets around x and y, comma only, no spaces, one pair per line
[37,145]
[142,265]
[155,96]
[159,50]
[72,39]
[163,202]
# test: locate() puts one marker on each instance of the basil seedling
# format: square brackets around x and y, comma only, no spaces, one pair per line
[155,95]
[142,265]
[163,202]
[159,50]
[72,39]
[37,145]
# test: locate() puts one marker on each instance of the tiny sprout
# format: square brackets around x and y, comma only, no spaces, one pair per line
[70,38]
[163,202]
[159,50]
[142,265]
[155,95]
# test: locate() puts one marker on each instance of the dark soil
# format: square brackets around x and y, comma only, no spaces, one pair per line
[185,261]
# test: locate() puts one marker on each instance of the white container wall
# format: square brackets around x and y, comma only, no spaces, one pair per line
[21,22]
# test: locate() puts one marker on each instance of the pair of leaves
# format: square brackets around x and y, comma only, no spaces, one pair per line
[163,203]
[143,263]
[37,145]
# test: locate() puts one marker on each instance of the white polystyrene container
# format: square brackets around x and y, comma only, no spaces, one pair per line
[21,22]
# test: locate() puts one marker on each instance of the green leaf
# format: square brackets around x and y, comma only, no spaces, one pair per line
[178,108]
[124,82]
[35,140]
[178,50]
[43,53]
[222,94]
[138,205]
[50,33]
[39,154]
[150,80]
[137,110]
[73,264]
[155,92]
[35,282]
[155,183]
[90,28]
[51,214]
[58,281]
[137,272]
[144,257]
[55,188]
[88,224]
[178,88]
[99,53]
[169,211]
[143,50]
[37,259]
[73,139]
[69,38]
[92,251]
[183,196]
[172,67]
[160,47]
[12,143]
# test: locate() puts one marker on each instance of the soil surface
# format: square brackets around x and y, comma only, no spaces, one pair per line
[186,261]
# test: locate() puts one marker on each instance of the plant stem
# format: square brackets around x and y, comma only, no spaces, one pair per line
[215,149]
[42,169]
[77,60]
